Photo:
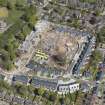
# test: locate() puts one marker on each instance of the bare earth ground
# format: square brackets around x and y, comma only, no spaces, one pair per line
[62,45]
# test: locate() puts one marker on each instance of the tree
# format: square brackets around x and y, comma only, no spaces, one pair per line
[96,57]
[92,20]
[19,5]
[3,2]
[11,51]
[30,16]
[101,36]
[25,30]
[31,94]
[41,91]
[8,65]
[21,90]
[9,5]
[61,100]
[76,96]
[52,97]
[5,59]
[4,85]
[31,89]
[32,21]
[46,95]
[36,91]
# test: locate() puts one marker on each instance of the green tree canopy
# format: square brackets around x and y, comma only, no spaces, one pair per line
[101,35]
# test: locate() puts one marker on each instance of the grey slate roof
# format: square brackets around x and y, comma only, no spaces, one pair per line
[20,78]
[49,84]
[67,84]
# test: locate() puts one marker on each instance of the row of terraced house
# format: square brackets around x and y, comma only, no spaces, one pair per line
[50,84]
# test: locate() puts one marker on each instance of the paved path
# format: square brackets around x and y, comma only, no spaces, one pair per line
[3,103]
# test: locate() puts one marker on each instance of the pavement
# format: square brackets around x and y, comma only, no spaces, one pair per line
[3,103]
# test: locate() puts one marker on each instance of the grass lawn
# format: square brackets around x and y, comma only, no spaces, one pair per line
[3,12]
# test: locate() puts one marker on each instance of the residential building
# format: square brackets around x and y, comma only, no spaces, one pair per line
[66,87]
[20,79]
[45,83]
[84,87]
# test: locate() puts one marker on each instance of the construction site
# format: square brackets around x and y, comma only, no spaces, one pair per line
[57,49]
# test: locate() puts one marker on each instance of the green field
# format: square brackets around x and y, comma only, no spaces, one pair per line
[3,12]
